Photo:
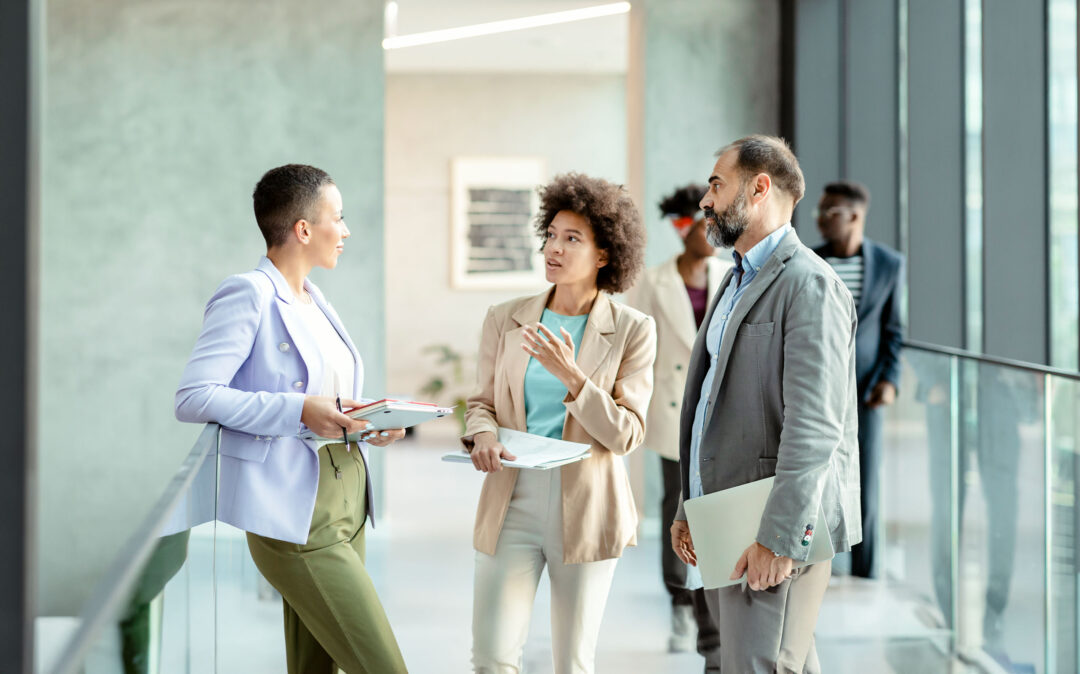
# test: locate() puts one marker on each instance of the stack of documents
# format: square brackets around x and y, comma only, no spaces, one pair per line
[725,523]
[387,414]
[532,451]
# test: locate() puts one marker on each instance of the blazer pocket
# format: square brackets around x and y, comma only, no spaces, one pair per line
[766,466]
[756,329]
[244,446]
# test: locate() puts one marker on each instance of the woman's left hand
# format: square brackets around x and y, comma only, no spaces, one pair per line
[383,438]
[556,355]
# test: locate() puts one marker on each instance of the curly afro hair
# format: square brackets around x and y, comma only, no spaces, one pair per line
[615,222]
[683,203]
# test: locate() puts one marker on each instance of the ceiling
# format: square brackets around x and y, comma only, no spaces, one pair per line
[596,45]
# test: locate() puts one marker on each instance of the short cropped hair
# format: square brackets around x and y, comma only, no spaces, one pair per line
[854,193]
[284,195]
[615,221]
[770,155]
[683,202]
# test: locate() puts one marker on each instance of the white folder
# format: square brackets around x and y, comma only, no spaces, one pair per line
[534,452]
[723,524]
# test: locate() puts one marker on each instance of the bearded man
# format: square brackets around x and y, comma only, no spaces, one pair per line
[771,391]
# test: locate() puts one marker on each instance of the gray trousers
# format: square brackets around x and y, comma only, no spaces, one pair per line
[771,630]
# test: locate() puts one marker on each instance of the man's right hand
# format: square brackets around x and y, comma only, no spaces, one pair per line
[681,542]
[321,415]
[487,452]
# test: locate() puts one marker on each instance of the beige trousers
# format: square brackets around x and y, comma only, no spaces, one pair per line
[504,586]
[771,630]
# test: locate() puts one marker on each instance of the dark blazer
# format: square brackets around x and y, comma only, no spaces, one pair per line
[880,333]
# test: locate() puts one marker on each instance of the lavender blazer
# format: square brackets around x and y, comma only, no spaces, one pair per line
[251,367]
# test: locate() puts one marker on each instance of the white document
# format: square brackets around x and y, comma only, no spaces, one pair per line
[387,414]
[723,524]
[532,451]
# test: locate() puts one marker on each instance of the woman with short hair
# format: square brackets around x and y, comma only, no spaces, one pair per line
[273,359]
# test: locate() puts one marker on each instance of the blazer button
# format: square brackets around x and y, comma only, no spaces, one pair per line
[283,347]
[678,366]
[258,437]
[298,384]
[674,404]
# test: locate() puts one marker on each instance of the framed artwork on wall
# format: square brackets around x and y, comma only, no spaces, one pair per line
[493,203]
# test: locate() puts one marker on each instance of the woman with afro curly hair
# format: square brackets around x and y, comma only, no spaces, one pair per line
[571,364]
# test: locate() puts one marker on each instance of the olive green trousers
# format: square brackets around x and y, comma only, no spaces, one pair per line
[333,618]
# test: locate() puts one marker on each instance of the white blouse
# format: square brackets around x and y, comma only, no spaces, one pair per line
[338,365]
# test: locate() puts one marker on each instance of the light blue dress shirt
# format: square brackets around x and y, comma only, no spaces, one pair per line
[748,266]
[545,413]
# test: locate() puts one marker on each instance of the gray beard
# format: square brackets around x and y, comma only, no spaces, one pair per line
[724,229]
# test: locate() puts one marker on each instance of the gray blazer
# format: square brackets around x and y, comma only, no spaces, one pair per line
[783,401]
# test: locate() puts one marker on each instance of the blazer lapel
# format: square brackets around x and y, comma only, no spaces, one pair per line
[867,278]
[514,358]
[772,268]
[699,365]
[294,324]
[675,303]
[595,344]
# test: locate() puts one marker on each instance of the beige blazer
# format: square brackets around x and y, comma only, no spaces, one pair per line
[616,353]
[661,293]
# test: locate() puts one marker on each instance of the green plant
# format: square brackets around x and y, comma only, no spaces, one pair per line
[447,383]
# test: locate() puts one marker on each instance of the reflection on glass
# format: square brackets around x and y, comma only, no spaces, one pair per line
[1062,108]
[916,513]
[1064,446]
[140,623]
[1001,503]
[973,183]
[965,509]
[924,502]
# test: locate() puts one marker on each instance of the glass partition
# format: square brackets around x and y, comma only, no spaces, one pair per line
[979,503]
[249,622]
[917,488]
[979,533]
[1063,404]
[154,609]
[1001,502]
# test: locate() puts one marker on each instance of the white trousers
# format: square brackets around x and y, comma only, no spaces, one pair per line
[504,585]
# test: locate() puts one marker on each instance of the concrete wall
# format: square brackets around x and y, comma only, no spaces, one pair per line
[575,122]
[702,74]
[160,116]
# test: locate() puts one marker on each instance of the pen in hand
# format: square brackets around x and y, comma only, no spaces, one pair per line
[344,433]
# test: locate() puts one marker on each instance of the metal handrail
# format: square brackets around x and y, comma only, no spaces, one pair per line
[111,592]
[992,360]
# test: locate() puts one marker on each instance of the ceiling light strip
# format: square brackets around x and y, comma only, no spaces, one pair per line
[506,26]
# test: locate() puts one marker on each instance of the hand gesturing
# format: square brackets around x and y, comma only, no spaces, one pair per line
[555,355]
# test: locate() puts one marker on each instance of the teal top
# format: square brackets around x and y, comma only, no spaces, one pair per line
[544,394]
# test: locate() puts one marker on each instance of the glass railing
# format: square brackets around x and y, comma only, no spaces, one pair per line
[183,595]
[978,498]
[978,544]
[154,603]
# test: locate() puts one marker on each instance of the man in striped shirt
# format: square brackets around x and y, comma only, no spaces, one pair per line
[873,274]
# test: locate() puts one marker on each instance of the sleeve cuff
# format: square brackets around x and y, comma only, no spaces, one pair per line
[473,429]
